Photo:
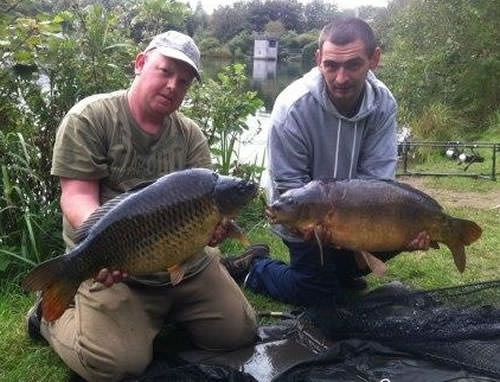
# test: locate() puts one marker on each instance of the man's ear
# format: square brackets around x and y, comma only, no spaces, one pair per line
[375,58]
[139,63]
[318,57]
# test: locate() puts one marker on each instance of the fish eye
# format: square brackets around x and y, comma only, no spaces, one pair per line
[289,200]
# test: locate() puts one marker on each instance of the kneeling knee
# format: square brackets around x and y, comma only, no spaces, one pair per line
[235,336]
[113,367]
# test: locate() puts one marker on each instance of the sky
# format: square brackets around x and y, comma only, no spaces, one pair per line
[210,5]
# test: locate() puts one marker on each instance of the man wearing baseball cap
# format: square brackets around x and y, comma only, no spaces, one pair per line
[179,46]
[105,145]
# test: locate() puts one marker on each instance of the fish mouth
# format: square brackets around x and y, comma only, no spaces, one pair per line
[232,194]
[248,188]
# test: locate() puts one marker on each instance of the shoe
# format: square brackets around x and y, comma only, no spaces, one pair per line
[33,321]
[354,283]
[239,267]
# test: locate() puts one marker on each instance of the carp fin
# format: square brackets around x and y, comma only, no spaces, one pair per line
[233,231]
[83,230]
[317,230]
[458,252]
[366,259]
[405,186]
[176,273]
[58,289]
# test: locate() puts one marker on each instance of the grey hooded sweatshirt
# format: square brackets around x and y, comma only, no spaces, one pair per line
[309,139]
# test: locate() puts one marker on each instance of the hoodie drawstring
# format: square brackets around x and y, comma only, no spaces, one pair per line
[353,148]
[339,128]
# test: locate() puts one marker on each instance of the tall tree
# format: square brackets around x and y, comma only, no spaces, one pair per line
[155,16]
[229,21]
[289,12]
[454,62]
[198,21]
[318,13]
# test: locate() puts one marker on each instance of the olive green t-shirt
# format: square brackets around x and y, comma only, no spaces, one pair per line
[98,139]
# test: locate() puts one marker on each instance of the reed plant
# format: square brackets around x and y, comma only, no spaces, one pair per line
[29,221]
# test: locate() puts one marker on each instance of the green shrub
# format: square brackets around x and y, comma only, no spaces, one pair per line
[221,108]
[440,122]
[241,44]
[29,220]
[309,54]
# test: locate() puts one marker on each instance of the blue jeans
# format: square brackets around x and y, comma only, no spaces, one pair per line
[305,281]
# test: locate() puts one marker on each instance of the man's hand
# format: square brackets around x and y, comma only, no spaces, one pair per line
[421,243]
[108,278]
[219,235]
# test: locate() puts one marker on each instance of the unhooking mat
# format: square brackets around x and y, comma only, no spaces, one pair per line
[391,334]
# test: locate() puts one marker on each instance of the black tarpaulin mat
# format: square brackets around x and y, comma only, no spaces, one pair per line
[279,348]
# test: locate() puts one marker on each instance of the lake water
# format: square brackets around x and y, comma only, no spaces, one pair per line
[268,78]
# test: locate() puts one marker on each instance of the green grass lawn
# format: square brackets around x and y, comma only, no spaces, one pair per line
[23,360]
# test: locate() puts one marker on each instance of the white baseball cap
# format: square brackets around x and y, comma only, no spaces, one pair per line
[179,46]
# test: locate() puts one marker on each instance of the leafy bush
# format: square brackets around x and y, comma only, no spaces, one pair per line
[452,62]
[309,54]
[29,220]
[221,108]
[50,63]
[289,40]
[207,43]
[241,44]
[439,122]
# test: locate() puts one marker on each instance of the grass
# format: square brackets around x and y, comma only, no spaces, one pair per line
[23,360]
[20,358]
[461,184]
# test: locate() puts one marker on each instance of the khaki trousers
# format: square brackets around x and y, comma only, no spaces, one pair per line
[109,333]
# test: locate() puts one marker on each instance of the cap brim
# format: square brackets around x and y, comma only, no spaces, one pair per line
[178,55]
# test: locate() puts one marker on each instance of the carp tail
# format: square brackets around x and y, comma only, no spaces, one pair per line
[365,259]
[467,230]
[462,232]
[58,289]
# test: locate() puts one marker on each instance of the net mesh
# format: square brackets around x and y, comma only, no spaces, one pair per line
[458,326]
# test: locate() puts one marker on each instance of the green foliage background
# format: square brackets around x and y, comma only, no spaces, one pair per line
[441,60]
[54,53]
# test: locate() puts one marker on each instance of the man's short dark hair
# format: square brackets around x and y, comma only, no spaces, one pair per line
[345,31]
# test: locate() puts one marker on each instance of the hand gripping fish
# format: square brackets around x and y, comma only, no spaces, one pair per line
[154,228]
[371,216]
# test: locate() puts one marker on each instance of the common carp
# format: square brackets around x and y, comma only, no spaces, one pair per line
[371,216]
[154,228]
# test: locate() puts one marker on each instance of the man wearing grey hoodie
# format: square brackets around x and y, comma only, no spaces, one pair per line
[337,121]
